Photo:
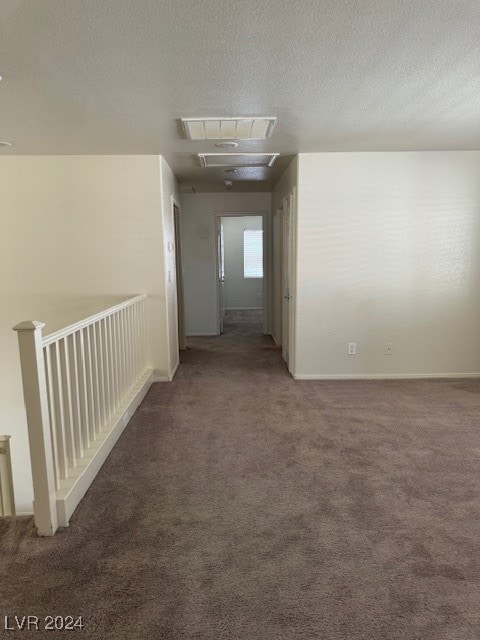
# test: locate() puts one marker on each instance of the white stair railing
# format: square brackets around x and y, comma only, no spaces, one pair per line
[81,386]
[7,502]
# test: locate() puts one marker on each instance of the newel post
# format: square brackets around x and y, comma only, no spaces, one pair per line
[36,404]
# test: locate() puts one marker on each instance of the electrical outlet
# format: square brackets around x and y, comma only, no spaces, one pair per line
[352,348]
[388,348]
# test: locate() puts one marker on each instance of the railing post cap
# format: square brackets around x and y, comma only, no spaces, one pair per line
[29,325]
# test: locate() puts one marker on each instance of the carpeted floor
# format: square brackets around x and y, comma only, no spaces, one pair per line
[240,504]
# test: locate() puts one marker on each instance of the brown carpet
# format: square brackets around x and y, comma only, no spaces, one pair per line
[240,504]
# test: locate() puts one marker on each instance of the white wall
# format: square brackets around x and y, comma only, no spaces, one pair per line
[388,251]
[199,249]
[240,292]
[78,233]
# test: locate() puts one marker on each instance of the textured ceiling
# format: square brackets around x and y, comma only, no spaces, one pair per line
[113,76]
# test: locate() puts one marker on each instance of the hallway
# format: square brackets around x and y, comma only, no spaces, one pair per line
[240,504]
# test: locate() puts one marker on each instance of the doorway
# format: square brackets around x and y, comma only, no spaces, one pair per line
[241,271]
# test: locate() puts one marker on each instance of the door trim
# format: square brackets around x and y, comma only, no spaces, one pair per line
[289,208]
[179,289]
[266,264]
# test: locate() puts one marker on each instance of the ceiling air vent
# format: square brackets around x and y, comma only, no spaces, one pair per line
[238,159]
[228,128]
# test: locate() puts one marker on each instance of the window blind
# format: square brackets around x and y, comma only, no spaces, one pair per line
[253,253]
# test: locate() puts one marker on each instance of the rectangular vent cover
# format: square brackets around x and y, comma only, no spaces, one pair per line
[238,159]
[228,128]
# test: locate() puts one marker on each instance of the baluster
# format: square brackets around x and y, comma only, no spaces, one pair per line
[125,352]
[132,344]
[67,402]
[101,374]
[111,375]
[141,334]
[131,377]
[76,412]
[144,338]
[121,354]
[96,382]
[106,371]
[59,412]
[83,390]
[116,360]
[51,412]
[137,342]
[90,386]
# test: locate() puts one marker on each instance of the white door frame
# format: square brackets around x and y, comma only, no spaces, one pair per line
[179,289]
[266,264]
[289,208]
[276,298]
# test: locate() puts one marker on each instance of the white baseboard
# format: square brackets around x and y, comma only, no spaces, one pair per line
[200,335]
[243,308]
[158,376]
[381,376]
[277,342]
[173,371]
[75,487]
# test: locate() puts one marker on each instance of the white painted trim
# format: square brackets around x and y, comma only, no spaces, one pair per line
[243,308]
[179,303]
[267,240]
[172,373]
[276,341]
[7,499]
[159,376]
[70,495]
[381,376]
[201,335]
[292,332]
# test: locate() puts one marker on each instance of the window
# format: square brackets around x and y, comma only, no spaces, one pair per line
[253,253]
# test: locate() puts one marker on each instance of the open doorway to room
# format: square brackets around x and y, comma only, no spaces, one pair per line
[241,277]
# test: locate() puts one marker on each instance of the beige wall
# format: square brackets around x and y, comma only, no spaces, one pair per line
[79,233]
[199,249]
[388,251]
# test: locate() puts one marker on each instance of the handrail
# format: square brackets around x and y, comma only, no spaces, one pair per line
[81,324]
[81,385]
